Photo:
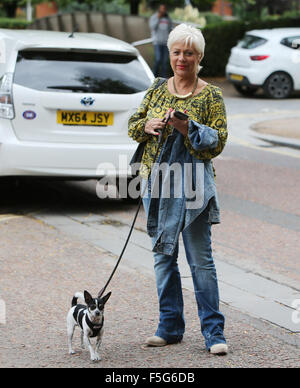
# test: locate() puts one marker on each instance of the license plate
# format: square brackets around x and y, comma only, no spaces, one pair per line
[85,118]
[236,77]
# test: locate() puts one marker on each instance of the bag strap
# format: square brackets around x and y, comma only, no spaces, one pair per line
[160,82]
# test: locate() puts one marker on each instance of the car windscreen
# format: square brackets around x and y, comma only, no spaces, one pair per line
[251,42]
[66,71]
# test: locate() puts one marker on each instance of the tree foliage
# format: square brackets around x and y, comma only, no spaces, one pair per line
[202,5]
[243,7]
[251,9]
[9,7]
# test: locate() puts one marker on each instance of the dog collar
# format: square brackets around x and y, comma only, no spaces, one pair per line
[95,328]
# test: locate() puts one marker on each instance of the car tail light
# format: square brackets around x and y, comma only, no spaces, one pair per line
[259,57]
[6,103]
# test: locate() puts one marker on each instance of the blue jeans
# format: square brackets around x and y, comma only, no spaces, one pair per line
[197,244]
[161,60]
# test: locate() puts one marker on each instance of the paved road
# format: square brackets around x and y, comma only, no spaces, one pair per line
[41,267]
[256,250]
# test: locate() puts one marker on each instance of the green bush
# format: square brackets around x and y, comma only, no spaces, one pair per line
[211,18]
[291,14]
[221,37]
[16,24]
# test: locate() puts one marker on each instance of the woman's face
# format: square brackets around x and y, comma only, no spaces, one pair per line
[184,60]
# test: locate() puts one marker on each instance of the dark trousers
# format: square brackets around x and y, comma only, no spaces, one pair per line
[161,62]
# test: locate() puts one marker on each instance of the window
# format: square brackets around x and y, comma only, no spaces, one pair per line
[251,42]
[69,71]
[292,42]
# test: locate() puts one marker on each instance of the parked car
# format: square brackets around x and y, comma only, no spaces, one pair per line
[65,101]
[267,59]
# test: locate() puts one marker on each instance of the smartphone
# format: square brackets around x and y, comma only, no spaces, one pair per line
[181,115]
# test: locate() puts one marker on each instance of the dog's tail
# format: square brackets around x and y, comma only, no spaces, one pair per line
[75,297]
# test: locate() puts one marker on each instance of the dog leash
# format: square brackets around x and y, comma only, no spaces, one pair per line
[160,141]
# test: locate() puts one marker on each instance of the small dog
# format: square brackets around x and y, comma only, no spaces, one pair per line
[90,318]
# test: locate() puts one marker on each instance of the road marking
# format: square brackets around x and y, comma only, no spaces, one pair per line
[249,145]
[265,113]
[8,217]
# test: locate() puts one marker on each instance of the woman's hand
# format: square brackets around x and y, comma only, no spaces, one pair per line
[153,125]
[181,125]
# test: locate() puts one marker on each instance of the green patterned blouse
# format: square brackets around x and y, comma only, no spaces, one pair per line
[206,108]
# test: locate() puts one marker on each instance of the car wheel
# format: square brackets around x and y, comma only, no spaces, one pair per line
[278,85]
[246,90]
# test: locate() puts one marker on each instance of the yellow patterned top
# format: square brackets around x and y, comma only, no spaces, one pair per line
[206,108]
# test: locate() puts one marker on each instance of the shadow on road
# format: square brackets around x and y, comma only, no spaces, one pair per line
[23,196]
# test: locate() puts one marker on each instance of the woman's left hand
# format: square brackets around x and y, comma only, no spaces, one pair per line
[180,125]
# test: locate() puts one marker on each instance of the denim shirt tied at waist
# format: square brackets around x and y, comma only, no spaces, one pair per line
[170,214]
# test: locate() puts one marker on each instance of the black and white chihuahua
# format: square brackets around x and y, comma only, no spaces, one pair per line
[90,318]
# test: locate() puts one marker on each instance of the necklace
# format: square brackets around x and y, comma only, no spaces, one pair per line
[186,95]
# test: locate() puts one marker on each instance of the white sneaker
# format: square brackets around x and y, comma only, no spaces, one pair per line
[156,341]
[219,349]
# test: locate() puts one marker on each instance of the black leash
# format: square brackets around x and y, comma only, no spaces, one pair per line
[160,141]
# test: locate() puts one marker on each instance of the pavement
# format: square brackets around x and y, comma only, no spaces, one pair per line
[40,275]
[288,128]
[284,131]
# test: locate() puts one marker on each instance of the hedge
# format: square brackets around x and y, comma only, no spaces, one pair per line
[16,24]
[221,37]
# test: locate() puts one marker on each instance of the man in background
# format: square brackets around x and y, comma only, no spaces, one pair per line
[161,25]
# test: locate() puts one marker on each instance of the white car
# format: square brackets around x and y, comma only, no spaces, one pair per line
[65,101]
[268,59]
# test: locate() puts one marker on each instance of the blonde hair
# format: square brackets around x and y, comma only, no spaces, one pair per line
[190,35]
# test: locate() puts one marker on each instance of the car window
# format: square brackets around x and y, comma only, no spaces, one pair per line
[80,72]
[292,42]
[251,42]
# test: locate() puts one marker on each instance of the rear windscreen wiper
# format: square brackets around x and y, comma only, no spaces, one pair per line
[70,87]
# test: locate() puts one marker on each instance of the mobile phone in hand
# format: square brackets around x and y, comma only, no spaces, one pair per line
[180,115]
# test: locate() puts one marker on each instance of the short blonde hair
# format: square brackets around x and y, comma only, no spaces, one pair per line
[192,36]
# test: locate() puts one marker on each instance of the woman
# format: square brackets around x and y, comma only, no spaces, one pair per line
[192,142]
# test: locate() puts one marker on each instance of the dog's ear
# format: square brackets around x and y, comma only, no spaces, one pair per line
[106,297]
[87,297]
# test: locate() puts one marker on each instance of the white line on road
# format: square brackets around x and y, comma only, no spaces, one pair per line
[237,140]
[8,217]
[262,114]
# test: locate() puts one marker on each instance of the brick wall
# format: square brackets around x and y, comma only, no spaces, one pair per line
[222,7]
[45,9]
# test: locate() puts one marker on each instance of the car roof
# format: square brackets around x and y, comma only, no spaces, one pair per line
[57,39]
[275,32]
